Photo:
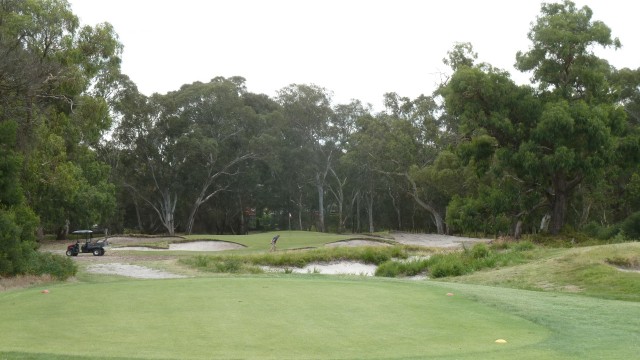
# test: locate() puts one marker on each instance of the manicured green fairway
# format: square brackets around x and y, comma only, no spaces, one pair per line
[291,317]
[309,317]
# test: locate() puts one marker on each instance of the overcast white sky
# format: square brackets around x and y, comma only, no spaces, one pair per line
[358,49]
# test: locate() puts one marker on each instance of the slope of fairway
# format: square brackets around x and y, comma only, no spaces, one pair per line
[295,317]
[582,270]
[582,327]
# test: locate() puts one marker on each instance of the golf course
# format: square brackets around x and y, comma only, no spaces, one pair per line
[205,314]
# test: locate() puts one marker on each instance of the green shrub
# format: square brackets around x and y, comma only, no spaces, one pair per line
[394,268]
[448,268]
[631,226]
[447,265]
[595,230]
[480,251]
[626,262]
[523,245]
[372,255]
[229,265]
[60,267]
[388,269]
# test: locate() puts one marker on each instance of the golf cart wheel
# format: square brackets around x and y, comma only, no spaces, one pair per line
[101,252]
[69,253]
[96,252]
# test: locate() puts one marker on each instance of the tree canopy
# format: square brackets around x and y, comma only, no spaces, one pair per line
[80,146]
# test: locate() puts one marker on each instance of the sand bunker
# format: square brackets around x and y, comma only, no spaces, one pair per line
[190,246]
[354,243]
[134,271]
[435,240]
[339,268]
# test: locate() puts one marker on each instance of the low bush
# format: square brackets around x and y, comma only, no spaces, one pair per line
[624,261]
[394,268]
[479,257]
[59,267]
[480,251]
[523,245]
[447,265]
[631,226]
[595,230]
[221,264]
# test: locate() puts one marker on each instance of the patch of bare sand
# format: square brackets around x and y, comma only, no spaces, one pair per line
[134,271]
[435,240]
[355,243]
[337,268]
[190,246]
[132,240]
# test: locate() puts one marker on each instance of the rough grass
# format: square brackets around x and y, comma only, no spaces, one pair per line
[24,281]
[584,270]
[250,263]
[457,263]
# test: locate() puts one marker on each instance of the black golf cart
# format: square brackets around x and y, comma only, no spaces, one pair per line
[89,246]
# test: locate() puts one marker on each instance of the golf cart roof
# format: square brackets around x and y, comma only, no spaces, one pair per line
[83,232]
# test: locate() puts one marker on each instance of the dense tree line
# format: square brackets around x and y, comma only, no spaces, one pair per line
[81,146]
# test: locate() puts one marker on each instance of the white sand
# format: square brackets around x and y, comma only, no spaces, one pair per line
[190,246]
[134,271]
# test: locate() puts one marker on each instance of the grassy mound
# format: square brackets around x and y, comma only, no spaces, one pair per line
[605,271]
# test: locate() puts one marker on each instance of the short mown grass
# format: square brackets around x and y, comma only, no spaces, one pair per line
[303,317]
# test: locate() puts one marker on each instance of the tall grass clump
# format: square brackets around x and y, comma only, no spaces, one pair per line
[299,259]
[394,268]
[448,265]
[479,257]
[231,264]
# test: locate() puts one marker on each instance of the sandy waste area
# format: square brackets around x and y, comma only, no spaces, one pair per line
[115,266]
[134,271]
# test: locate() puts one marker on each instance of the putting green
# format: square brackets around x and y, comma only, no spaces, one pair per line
[289,317]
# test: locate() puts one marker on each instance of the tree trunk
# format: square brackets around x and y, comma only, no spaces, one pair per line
[370,211]
[559,200]
[437,217]
[396,207]
[518,230]
[167,209]
[40,233]
[137,207]
[243,225]
[192,218]
[358,214]
[558,212]
[299,208]
[320,189]
[439,221]
[338,194]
